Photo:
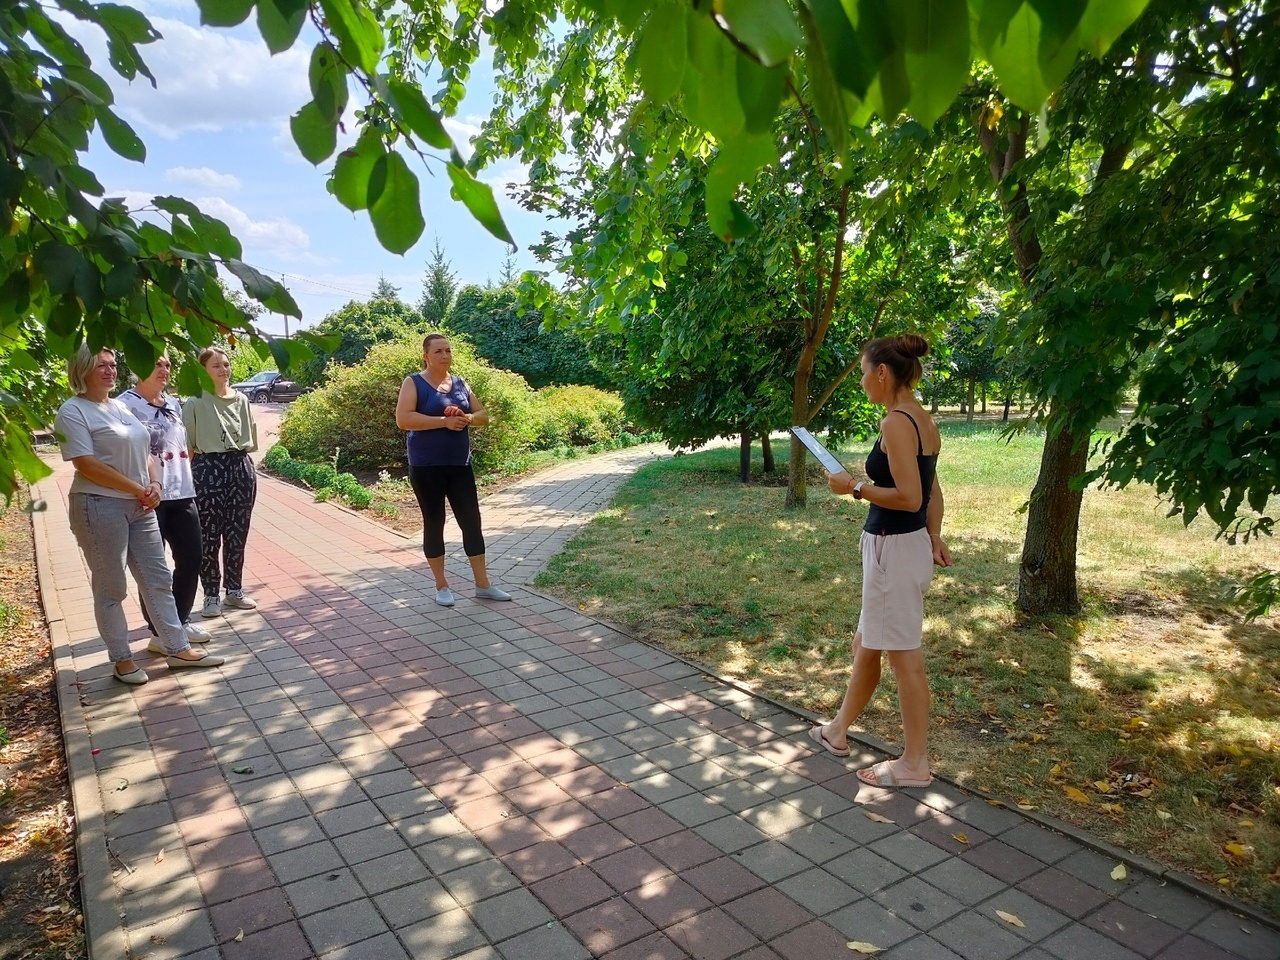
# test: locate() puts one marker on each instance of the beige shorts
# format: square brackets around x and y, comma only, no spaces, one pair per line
[896,571]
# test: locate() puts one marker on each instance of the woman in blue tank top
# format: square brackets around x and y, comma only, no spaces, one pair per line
[901,542]
[438,409]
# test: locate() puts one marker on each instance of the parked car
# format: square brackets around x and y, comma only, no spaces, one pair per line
[269,386]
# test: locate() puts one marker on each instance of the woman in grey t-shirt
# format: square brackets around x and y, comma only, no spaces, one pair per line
[112,509]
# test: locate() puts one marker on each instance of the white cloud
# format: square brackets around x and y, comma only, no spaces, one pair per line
[203,177]
[278,236]
[206,79]
[502,178]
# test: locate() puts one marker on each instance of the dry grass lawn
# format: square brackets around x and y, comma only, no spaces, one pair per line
[1152,719]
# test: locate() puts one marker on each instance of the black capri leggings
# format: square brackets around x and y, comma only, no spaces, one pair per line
[180,529]
[432,485]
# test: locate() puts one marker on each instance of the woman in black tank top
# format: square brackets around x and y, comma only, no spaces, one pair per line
[901,543]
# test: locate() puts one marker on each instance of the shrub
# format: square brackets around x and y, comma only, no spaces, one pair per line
[276,457]
[355,410]
[319,475]
[577,416]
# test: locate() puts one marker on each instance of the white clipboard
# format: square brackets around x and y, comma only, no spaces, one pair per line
[814,446]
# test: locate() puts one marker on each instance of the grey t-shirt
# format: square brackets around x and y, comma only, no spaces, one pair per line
[109,432]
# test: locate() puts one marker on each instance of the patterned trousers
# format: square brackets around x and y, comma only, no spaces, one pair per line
[226,488]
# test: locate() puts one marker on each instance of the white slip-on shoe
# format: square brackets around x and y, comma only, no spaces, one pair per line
[444,597]
[134,678]
[492,593]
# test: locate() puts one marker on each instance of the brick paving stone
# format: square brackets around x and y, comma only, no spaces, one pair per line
[1095,869]
[813,940]
[1078,942]
[768,913]
[390,871]
[647,825]
[909,852]
[251,913]
[869,922]
[1045,845]
[573,890]
[818,843]
[548,942]
[596,841]
[818,891]
[865,870]
[408,905]
[609,925]
[975,937]
[1170,903]
[713,935]
[942,831]
[443,937]
[985,817]
[1244,937]
[1039,921]
[920,904]
[667,901]
[509,914]
[772,861]
[174,936]
[629,869]
[539,861]
[308,861]
[722,880]
[288,835]
[924,948]
[1136,930]
[450,853]
[227,883]
[479,880]
[656,946]
[1002,861]
[730,834]
[383,947]
[1073,897]
[1188,947]
[325,890]
[285,942]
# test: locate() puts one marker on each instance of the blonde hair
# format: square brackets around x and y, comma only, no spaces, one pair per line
[81,365]
[207,353]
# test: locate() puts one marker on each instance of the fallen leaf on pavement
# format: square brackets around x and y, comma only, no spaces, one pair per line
[1119,873]
[960,837]
[861,947]
[160,856]
[242,769]
[1010,918]
[239,937]
[875,817]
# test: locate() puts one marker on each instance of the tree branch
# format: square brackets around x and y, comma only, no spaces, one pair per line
[837,264]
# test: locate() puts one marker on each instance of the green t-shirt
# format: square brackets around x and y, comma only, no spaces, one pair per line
[220,424]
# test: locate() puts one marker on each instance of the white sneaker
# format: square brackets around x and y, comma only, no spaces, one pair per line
[237,599]
[444,597]
[196,633]
[212,608]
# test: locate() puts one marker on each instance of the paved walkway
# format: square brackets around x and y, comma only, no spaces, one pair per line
[374,777]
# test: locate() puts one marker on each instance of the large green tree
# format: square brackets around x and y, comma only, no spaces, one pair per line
[355,329]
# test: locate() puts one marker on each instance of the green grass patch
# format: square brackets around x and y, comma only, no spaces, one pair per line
[1158,702]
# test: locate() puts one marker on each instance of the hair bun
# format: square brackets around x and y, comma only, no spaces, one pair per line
[913,345]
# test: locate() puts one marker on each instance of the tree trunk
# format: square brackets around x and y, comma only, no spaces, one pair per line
[984,396]
[933,407]
[1047,574]
[766,448]
[1008,402]
[969,407]
[744,457]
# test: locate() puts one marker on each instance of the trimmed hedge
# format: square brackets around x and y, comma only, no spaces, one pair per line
[326,481]
[577,416]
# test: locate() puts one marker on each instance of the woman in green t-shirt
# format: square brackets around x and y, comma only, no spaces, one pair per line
[222,434]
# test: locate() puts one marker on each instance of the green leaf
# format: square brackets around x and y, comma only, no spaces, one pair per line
[711,79]
[760,90]
[328,79]
[119,135]
[478,198]
[289,353]
[350,181]
[1105,20]
[1058,22]
[628,13]
[256,284]
[358,33]
[176,205]
[139,352]
[280,22]
[224,13]
[393,203]
[767,27]
[833,48]
[828,100]
[129,23]
[58,263]
[736,163]
[315,135]
[216,237]
[325,343]
[413,109]
[663,51]
[937,55]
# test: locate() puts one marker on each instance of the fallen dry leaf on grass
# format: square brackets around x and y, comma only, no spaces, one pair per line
[875,817]
[1241,851]
[1010,918]
[1025,804]
[1075,794]
[1120,872]
[867,948]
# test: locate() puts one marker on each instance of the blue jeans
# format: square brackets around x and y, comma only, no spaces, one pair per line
[118,533]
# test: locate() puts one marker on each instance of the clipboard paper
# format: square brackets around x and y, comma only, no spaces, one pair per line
[814,446]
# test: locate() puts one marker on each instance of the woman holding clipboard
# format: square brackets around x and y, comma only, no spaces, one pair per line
[901,542]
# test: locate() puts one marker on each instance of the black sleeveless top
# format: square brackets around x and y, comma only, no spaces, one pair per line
[882,521]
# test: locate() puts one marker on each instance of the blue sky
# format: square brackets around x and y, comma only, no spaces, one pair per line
[217,133]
